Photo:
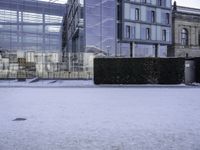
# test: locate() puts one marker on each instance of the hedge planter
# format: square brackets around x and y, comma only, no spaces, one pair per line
[138,70]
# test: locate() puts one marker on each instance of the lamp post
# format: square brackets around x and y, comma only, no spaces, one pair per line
[108,50]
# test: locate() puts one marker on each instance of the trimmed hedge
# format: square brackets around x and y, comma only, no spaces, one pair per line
[197,66]
[138,70]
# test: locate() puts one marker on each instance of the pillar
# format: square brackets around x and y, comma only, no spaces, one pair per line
[156,50]
[132,49]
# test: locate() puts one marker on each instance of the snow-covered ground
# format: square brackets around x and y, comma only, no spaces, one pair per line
[76,83]
[46,83]
[100,118]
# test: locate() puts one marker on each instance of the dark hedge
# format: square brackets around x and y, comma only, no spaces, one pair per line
[197,65]
[138,70]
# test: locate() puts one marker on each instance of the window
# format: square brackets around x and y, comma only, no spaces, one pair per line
[137,14]
[132,32]
[53,19]
[119,12]
[32,17]
[199,38]
[144,1]
[119,30]
[184,37]
[128,31]
[159,2]
[167,18]
[8,16]
[164,35]
[153,16]
[148,34]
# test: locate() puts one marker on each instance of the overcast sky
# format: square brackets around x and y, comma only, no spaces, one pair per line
[189,3]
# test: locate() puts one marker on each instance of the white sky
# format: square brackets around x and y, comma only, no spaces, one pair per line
[56,1]
[188,3]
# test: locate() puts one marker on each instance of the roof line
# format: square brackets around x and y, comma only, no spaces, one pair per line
[188,7]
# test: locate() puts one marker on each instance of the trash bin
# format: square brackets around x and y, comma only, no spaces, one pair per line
[189,71]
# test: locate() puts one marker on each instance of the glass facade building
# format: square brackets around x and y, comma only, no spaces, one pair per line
[91,31]
[33,33]
[30,25]
[100,25]
[125,28]
[146,25]
[73,36]
[30,37]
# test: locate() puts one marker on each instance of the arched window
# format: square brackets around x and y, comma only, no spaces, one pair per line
[184,37]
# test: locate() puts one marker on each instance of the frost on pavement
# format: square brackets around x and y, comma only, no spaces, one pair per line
[100,119]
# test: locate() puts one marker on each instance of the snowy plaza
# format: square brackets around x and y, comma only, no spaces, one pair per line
[100,118]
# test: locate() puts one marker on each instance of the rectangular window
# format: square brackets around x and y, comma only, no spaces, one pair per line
[132,32]
[137,14]
[144,1]
[8,16]
[119,31]
[164,35]
[159,2]
[128,31]
[167,18]
[153,16]
[32,17]
[199,39]
[148,34]
[119,13]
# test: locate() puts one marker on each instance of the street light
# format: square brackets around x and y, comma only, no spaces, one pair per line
[108,50]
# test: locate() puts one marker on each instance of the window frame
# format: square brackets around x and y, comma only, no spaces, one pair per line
[167,18]
[148,34]
[184,37]
[164,35]
[198,38]
[128,31]
[137,14]
[153,16]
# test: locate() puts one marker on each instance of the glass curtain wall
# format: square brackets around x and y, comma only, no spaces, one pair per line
[100,26]
[30,32]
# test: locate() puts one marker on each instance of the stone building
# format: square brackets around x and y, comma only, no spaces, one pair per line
[185,32]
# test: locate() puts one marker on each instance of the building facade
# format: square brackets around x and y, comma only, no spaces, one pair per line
[30,25]
[124,28]
[100,26]
[186,32]
[29,29]
[73,35]
[144,27]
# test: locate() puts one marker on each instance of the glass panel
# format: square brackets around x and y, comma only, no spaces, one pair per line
[30,38]
[32,17]
[53,19]
[8,16]
[100,26]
